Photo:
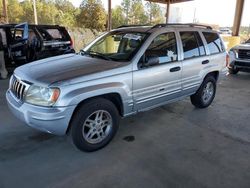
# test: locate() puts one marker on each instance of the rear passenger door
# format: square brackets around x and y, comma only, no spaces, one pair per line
[194,59]
[156,84]
[217,55]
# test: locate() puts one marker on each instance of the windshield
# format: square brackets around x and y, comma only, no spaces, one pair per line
[117,46]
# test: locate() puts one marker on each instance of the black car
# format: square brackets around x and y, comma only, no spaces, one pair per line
[24,42]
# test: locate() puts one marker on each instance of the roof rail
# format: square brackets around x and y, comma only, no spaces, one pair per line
[132,25]
[182,24]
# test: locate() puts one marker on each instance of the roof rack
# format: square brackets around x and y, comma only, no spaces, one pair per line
[182,24]
[133,25]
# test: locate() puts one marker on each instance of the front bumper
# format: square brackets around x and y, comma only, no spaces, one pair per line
[54,120]
[240,64]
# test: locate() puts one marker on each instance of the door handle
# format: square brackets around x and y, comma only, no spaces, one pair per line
[205,62]
[175,69]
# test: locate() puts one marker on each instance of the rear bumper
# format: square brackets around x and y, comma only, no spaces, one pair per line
[54,120]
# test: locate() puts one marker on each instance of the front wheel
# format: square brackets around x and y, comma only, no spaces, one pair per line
[94,124]
[205,94]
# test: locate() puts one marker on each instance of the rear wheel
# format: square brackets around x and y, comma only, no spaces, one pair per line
[205,94]
[233,70]
[94,124]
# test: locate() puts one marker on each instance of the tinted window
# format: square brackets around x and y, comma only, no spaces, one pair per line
[164,47]
[192,44]
[214,42]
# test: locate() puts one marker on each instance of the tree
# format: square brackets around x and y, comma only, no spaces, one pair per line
[138,14]
[92,15]
[126,6]
[15,11]
[155,14]
[118,17]
[28,13]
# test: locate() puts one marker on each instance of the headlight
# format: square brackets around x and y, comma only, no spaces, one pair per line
[42,96]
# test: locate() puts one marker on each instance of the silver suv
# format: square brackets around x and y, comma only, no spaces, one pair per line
[123,72]
[239,57]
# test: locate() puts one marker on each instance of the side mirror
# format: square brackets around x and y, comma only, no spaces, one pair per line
[151,61]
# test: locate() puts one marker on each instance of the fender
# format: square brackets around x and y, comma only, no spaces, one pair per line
[76,96]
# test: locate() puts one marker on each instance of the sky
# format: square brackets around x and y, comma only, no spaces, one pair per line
[220,12]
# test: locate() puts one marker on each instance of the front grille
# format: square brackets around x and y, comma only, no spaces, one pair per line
[244,54]
[242,64]
[18,88]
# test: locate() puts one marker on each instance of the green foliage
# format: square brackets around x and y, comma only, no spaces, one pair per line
[118,17]
[135,13]
[15,11]
[92,15]
[126,5]
[155,14]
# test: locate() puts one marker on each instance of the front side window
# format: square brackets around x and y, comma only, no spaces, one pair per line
[192,44]
[117,45]
[214,42]
[163,46]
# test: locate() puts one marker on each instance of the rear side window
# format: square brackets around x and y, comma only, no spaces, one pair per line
[214,42]
[192,44]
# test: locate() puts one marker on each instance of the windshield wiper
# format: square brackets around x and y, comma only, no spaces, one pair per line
[95,54]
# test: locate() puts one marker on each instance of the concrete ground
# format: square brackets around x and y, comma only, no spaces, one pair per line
[173,146]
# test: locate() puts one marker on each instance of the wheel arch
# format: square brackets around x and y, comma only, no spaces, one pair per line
[114,97]
[215,74]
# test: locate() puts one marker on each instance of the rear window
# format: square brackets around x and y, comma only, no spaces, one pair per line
[214,42]
[55,33]
[52,34]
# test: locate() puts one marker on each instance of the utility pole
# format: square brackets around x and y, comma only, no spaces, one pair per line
[109,15]
[168,11]
[194,19]
[5,13]
[35,14]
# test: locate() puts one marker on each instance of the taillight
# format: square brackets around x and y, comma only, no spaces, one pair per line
[227,60]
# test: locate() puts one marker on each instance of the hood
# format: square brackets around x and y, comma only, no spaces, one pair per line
[245,46]
[63,68]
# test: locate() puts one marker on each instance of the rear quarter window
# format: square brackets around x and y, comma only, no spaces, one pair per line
[214,42]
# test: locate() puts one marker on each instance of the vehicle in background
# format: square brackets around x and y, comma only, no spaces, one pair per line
[225,31]
[24,43]
[121,73]
[239,58]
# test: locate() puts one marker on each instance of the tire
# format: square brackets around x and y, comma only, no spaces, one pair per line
[198,99]
[88,130]
[233,70]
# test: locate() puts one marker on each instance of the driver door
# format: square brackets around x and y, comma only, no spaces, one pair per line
[158,83]
[19,44]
